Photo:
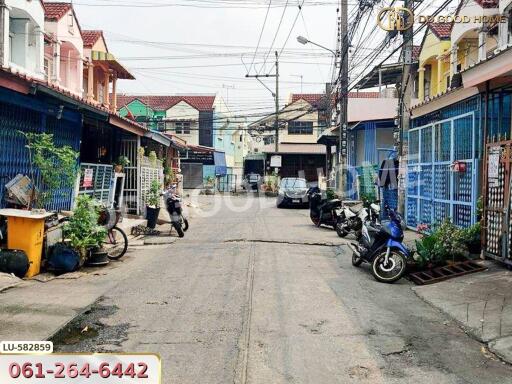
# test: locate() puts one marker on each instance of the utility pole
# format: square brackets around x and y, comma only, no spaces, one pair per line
[343,99]
[276,97]
[276,121]
[406,94]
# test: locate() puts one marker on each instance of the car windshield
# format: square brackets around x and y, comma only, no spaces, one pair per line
[293,183]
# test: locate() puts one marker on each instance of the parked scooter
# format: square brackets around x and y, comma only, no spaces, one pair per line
[173,206]
[322,211]
[383,248]
[352,218]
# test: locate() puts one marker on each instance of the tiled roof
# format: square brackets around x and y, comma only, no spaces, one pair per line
[442,30]
[314,98]
[163,103]
[45,83]
[56,11]
[90,37]
[488,3]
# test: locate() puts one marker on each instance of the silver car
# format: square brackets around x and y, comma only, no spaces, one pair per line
[293,191]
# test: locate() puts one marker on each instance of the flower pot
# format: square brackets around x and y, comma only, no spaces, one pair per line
[118,168]
[97,258]
[152,216]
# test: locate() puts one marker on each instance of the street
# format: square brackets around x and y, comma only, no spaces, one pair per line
[256,294]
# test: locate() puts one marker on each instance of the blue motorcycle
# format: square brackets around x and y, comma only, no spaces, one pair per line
[382,247]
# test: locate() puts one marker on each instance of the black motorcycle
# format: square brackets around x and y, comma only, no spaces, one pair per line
[173,205]
[352,218]
[382,247]
[323,211]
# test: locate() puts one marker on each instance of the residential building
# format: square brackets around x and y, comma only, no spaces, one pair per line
[63,55]
[301,122]
[491,76]
[102,71]
[22,37]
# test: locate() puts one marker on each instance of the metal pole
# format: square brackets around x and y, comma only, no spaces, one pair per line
[406,93]
[276,122]
[343,98]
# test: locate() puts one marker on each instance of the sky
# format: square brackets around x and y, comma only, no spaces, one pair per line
[198,48]
[208,46]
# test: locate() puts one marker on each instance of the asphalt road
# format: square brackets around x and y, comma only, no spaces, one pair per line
[255,294]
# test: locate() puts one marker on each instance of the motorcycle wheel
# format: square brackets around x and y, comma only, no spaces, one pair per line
[340,230]
[356,260]
[185,225]
[177,227]
[391,272]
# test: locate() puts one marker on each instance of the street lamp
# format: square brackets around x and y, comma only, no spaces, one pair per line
[304,41]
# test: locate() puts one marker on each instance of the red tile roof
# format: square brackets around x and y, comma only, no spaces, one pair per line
[314,98]
[488,3]
[442,30]
[90,37]
[56,11]
[163,103]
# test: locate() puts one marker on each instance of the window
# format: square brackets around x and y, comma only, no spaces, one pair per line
[300,128]
[168,125]
[268,140]
[182,127]
[160,125]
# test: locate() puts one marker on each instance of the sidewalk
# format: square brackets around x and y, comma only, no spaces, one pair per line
[481,303]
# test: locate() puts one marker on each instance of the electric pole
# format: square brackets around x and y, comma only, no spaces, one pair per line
[406,94]
[275,95]
[343,99]
[276,121]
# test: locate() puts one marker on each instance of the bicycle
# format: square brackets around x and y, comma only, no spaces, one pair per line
[116,242]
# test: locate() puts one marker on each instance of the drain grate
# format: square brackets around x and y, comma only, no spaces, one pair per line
[444,273]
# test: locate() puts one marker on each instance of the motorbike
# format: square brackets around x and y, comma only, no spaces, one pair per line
[351,218]
[173,206]
[322,211]
[382,247]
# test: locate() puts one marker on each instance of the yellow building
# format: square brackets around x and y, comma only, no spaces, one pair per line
[434,61]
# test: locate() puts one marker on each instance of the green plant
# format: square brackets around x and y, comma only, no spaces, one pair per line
[83,230]
[152,158]
[425,250]
[153,195]
[209,181]
[57,165]
[472,237]
[141,151]
[330,194]
[123,161]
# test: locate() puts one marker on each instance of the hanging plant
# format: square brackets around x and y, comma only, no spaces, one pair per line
[152,158]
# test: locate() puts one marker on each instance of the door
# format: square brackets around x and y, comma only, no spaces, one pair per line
[192,175]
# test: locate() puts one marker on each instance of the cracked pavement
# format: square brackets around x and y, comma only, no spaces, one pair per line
[255,296]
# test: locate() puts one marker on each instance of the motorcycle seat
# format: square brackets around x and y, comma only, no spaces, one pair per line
[356,208]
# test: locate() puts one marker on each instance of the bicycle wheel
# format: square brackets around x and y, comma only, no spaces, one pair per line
[115,244]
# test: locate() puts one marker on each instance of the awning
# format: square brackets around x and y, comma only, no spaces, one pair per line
[220,163]
[158,137]
[390,74]
[328,137]
[110,61]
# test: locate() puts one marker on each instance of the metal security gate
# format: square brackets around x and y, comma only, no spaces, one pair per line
[435,191]
[498,202]
[192,175]
[227,183]
[96,181]
[130,149]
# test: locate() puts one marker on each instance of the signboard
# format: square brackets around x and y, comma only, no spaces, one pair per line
[493,166]
[276,161]
[88,178]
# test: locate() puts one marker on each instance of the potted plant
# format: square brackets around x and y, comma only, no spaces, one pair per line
[153,204]
[209,185]
[120,163]
[152,158]
[82,230]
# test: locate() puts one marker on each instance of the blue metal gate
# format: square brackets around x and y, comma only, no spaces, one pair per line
[21,113]
[434,190]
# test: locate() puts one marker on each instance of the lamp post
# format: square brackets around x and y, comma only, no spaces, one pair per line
[302,40]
